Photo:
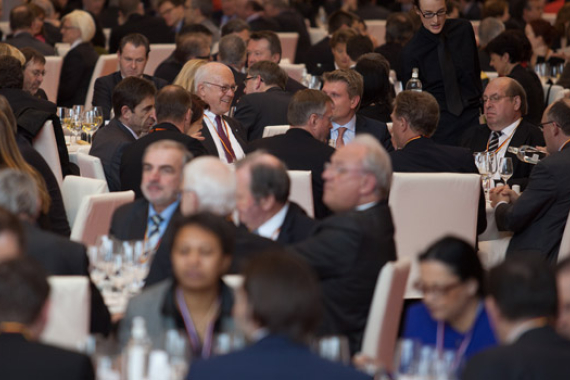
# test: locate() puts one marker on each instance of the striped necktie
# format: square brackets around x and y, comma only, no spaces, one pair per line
[494,141]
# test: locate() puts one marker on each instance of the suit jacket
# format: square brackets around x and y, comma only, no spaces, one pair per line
[20,100]
[534,92]
[103,90]
[262,23]
[256,111]
[210,145]
[169,69]
[109,143]
[131,161]
[538,217]
[290,20]
[22,359]
[25,39]
[299,150]
[293,86]
[476,140]
[153,28]
[538,354]
[61,257]
[296,227]
[76,72]
[425,156]
[320,54]
[375,128]
[347,251]
[239,78]
[274,357]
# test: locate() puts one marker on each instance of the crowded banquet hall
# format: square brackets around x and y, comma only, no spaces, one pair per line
[284,189]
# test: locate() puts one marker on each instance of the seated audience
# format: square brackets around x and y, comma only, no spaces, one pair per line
[251,11]
[357,46]
[19,194]
[34,72]
[279,331]
[232,53]
[563,286]
[338,46]
[78,28]
[172,12]
[21,21]
[505,104]
[348,249]
[238,27]
[399,30]
[541,35]
[538,216]
[489,28]
[452,315]
[200,12]
[376,102]
[522,303]
[133,104]
[24,292]
[266,100]
[133,56]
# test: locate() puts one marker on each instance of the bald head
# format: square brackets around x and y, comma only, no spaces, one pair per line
[504,103]
[215,84]
[173,105]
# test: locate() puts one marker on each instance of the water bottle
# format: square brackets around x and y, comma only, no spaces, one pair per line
[414,84]
[527,153]
[136,354]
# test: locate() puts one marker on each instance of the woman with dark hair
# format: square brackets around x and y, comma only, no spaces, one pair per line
[196,300]
[376,102]
[541,35]
[452,315]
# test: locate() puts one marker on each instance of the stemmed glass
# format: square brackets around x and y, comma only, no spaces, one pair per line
[486,163]
[75,125]
[334,348]
[89,123]
[98,110]
[506,169]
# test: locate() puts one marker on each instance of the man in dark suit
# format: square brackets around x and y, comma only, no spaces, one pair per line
[224,137]
[153,217]
[24,292]
[135,21]
[414,120]
[21,20]
[304,146]
[538,216]
[522,302]
[133,56]
[58,255]
[266,101]
[174,116]
[345,89]
[266,46]
[232,53]
[133,104]
[252,12]
[279,330]
[505,105]
[348,250]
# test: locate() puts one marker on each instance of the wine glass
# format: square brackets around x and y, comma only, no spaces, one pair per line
[334,348]
[506,169]
[89,124]
[98,110]
[75,125]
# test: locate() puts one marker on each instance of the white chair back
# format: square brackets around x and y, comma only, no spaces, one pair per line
[301,191]
[46,145]
[556,93]
[90,166]
[5,28]
[94,216]
[51,80]
[75,188]
[475,24]
[317,34]
[491,74]
[294,71]
[69,312]
[377,28]
[157,54]
[106,64]
[62,48]
[288,45]
[564,251]
[381,330]
[274,130]
[428,206]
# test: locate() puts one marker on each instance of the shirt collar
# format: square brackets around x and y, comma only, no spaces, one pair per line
[76,43]
[365,206]
[272,227]
[129,129]
[508,130]
[351,125]
[167,213]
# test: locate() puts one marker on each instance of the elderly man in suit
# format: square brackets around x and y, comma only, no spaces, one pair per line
[522,302]
[538,216]
[133,104]
[133,56]
[223,136]
[505,105]
[348,249]
[345,88]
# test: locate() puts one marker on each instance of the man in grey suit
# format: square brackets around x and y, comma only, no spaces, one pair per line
[538,216]
[133,103]
[21,20]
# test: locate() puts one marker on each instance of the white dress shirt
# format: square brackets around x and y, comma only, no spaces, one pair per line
[210,120]
[272,227]
[507,134]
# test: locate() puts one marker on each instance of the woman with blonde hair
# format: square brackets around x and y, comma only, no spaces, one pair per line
[185,78]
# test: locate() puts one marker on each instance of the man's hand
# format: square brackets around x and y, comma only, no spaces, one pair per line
[502,194]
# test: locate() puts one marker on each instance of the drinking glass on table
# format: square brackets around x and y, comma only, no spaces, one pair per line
[75,125]
[506,169]
[334,348]
[98,110]
[89,124]
[486,163]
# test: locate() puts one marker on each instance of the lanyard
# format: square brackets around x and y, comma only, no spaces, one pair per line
[504,142]
[220,138]
[412,139]
[191,329]
[15,328]
[566,143]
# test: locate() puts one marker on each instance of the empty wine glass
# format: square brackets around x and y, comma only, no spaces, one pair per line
[506,169]
[486,163]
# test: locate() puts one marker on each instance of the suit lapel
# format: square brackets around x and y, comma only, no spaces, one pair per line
[208,141]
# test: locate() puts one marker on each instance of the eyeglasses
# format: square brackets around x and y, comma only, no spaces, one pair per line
[64,27]
[440,13]
[223,88]
[494,98]
[436,290]
[342,169]
[541,126]
[250,78]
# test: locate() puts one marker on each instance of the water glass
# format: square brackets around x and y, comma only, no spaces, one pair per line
[506,169]
[334,348]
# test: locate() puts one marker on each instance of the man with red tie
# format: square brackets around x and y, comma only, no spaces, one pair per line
[223,136]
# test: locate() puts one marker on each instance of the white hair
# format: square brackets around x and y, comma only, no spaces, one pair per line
[84,22]
[376,161]
[19,193]
[214,184]
[204,73]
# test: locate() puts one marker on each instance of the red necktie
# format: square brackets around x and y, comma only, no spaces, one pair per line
[228,150]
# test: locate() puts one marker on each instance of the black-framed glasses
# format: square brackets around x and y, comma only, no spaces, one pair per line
[253,77]
[223,88]
[541,126]
[428,15]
